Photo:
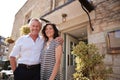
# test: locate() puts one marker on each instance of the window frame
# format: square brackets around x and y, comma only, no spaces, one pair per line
[111,49]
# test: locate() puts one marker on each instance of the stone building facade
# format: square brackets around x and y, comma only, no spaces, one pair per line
[107,18]
[75,27]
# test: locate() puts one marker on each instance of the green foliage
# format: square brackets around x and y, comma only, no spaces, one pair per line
[89,63]
[24,30]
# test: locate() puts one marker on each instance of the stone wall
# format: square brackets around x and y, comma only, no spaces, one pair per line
[107,17]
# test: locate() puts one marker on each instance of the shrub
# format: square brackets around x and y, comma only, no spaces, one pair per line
[89,63]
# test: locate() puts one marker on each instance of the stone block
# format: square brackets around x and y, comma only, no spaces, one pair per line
[116,59]
[108,59]
[96,38]
[116,70]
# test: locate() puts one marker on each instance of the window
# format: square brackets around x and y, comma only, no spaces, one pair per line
[27,17]
[57,3]
[71,57]
[113,41]
[69,0]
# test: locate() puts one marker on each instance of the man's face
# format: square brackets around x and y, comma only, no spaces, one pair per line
[35,27]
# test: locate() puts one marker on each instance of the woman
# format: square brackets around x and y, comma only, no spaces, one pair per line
[51,55]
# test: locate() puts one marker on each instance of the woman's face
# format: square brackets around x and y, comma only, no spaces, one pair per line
[49,31]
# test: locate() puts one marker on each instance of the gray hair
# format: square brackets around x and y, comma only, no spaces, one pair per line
[35,19]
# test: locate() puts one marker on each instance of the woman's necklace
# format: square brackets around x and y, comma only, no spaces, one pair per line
[47,44]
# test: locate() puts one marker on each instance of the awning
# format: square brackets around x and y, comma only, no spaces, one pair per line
[73,9]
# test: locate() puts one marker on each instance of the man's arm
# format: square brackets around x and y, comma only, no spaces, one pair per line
[60,40]
[15,52]
[13,63]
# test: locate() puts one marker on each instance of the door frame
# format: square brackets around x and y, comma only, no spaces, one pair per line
[68,38]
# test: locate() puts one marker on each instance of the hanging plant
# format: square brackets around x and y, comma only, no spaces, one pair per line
[89,63]
[24,30]
[9,40]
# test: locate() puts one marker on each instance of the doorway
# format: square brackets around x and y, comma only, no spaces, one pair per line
[72,38]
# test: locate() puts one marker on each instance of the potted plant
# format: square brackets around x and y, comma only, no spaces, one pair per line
[89,63]
[24,30]
[9,40]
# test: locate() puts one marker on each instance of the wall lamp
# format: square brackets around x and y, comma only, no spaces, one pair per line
[64,15]
[87,4]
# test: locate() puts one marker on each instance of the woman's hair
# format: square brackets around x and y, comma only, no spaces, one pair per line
[56,32]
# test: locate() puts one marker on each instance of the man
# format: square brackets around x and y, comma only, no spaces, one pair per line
[28,48]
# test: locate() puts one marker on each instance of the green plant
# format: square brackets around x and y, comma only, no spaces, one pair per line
[89,63]
[24,30]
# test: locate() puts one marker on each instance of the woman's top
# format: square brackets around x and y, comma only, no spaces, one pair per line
[48,61]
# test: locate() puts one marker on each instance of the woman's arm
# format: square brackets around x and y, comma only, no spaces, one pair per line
[58,54]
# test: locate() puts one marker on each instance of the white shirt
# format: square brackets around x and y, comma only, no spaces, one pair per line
[28,50]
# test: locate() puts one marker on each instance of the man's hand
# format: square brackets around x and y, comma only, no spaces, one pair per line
[60,40]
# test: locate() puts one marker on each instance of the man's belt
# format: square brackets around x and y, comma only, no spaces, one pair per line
[29,66]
